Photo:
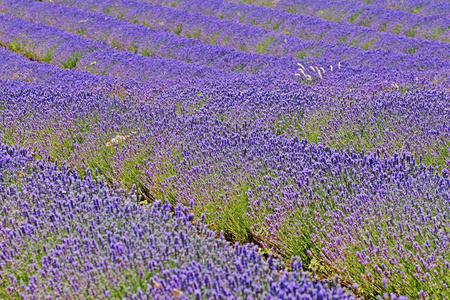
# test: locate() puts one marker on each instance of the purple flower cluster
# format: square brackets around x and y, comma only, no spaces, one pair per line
[64,236]
[397,22]
[310,27]
[225,28]
[420,7]
[125,36]
[370,67]
[39,43]
[218,155]
[17,68]
[69,50]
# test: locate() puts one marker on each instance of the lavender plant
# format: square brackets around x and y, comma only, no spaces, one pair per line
[193,155]
[276,67]
[259,40]
[309,27]
[19,69]
[396,22]
[66,236]
[419,7]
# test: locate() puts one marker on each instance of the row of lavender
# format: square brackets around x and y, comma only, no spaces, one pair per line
[344,134]
[71,51]
[239,26]
[338,211]
[398,22]
[380,64]
[405,62]
[66,237]
[421,7]
[388,121]
[86,54]
[142,40]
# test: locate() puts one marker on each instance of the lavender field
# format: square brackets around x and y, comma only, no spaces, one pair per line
[224,149]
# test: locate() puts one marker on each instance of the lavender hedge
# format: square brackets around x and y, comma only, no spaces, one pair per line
[69,50]
[17,68]
[68,237]
[191,151]
[424,71]
[316,37]
[308,27]
[420,7]
[381,19]
[138,39]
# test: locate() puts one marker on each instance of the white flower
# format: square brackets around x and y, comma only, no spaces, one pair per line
[116,140]
[303,72]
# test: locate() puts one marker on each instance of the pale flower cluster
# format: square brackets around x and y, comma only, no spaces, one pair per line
[319,70]
[118,139]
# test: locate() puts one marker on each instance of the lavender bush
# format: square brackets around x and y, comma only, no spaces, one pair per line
[100,62]
[195,156]
[397,22]
[70,237]
[309,27]
[420,7]
[316,38]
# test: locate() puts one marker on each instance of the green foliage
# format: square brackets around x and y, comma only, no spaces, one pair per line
[71,62]
[397,28]
[292,9]
[263,46]
[416,9]
[48,55]
[267,24]
[242,17]
[412,50]
[435,34]
[179,29]
[411,32]
[363,134]
[133,47]
[301,54]
[353,17]
[383,27]
[344,39]
[277,25]
[365,22]
[233,219]
[20,45]
[367,46]
[214,38]
[148,51]
[194,34]
[238,68]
